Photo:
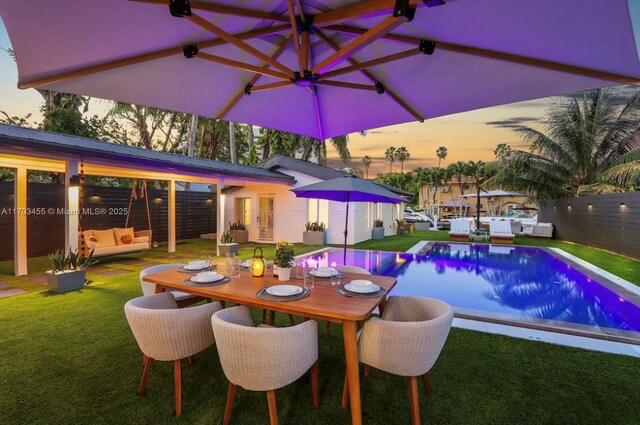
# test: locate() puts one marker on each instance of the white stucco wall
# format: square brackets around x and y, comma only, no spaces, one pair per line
[291,213]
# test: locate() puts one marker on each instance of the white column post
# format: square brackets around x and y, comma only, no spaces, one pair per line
[20,222]
[172,215]
[220,201]
[72,206]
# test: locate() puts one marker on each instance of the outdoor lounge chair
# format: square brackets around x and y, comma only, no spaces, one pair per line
[500,232]
[166,333]
[183,299]
[264,358]
[406,342]
[460,230]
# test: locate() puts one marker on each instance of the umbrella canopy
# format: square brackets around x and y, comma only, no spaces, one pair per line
[498,193]
[348,189]
[349,65]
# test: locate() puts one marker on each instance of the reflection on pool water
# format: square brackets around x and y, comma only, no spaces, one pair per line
[523,284]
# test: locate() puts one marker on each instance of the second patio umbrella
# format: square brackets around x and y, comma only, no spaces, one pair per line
[348,189]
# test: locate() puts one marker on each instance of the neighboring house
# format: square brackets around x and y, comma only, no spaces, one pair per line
[449,199]
[273,213]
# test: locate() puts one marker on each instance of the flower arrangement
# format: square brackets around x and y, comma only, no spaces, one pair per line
[284,254]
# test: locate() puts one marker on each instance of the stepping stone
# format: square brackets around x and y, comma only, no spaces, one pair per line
[39,278]
[114,272]
[4,285]
[6,293]
[98,269]
[132,262]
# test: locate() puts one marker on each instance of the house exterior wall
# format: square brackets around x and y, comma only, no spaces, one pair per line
[291,213]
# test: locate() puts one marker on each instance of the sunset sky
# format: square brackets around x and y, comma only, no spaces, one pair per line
[468,136]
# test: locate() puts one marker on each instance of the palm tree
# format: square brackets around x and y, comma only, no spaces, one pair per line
[366,161]
[590,145]
[459,170]
[390,154]
[437,177]
[422,179]
[441,153]
[402,154]
[502,151]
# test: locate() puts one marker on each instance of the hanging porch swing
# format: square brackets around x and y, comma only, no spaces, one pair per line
[117,240]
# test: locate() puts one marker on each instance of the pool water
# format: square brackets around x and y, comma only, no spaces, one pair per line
[520,284]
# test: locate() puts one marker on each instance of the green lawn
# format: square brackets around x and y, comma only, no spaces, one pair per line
[71,359]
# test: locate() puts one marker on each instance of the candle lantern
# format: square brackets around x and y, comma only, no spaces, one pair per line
[258,264]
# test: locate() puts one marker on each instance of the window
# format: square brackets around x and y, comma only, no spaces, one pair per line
[319,211]
[242,210]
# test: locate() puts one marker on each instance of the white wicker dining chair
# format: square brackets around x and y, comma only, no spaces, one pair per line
[406,341]
[182,298]
[165,332]
[264,358]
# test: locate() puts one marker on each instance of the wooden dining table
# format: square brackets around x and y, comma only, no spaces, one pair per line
[324,303]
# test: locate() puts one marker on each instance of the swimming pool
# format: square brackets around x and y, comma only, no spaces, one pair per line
[525,286]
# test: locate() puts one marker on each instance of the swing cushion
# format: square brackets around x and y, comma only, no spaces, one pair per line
[105,237]
[141,239]
[124,236]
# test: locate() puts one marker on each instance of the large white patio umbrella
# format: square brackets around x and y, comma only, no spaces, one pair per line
[349,65]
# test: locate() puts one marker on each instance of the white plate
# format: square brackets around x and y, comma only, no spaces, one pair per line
[201,266]
[246,263]
[361,283]
[324,272]
[207,277]
[283,290]
[358,289]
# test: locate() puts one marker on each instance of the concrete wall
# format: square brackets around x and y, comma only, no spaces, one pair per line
[601,221]
[291,213]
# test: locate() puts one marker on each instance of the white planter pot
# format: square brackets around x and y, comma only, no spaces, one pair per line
[284,274]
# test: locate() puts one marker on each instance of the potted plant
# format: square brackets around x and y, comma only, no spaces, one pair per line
[226,245]
[314,234]
[284,260]
[377,232]
[239,232]
[68,271]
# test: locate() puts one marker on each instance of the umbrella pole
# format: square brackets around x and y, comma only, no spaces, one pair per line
[478,209]
[346,232]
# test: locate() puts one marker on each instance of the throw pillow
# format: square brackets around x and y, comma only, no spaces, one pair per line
[105,237]
[124,236]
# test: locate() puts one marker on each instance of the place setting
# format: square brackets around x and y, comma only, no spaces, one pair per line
[195,266]
[361,288]
[207,278]
[283,293]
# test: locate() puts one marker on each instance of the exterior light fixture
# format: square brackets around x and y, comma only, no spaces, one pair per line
[74,181]
[258,264]
[622,204]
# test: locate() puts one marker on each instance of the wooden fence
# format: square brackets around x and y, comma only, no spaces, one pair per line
[610,221]
[105,207]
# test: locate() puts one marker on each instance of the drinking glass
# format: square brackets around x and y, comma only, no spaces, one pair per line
[235,268]
[336,278]
[301,269]
[308,281]
[229,261]
[206,261]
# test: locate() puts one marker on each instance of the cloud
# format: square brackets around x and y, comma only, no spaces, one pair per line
[513,123]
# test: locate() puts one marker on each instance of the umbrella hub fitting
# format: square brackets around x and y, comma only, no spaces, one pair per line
[403,8]
[307,79]
[180,8]
[306,26]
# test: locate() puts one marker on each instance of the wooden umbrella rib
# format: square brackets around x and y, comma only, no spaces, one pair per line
[224,9]
[271,86]
[388,90]
[364,9]
[243,66]
[346,85]
[501,56]
[360,42]
[232,39]
[234,101]
[369,64]
[296,37]
[145,57]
